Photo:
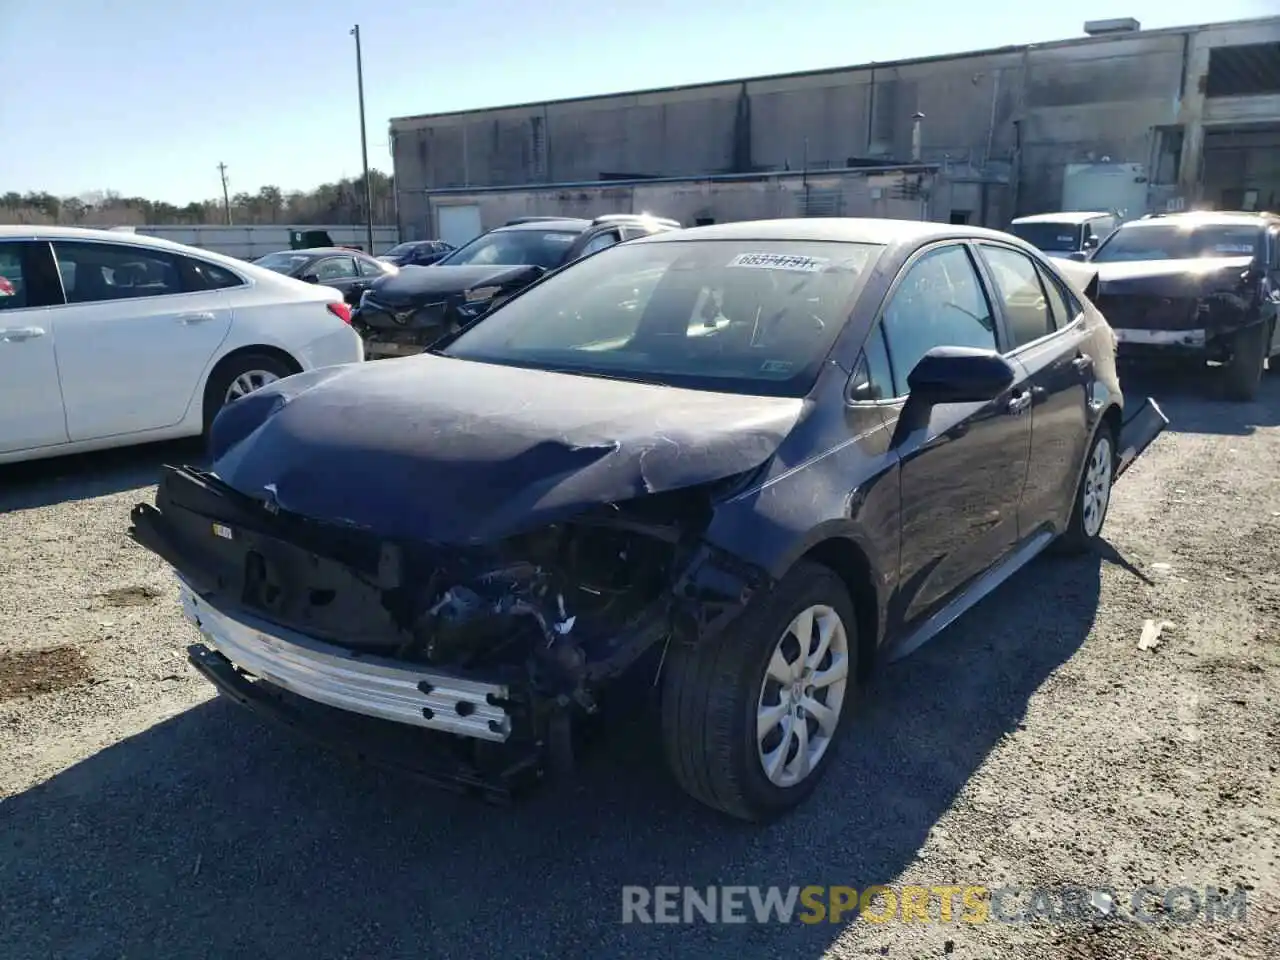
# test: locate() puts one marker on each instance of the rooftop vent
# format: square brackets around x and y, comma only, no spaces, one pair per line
[1099,28]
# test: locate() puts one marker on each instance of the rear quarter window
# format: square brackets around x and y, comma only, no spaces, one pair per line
[201,275]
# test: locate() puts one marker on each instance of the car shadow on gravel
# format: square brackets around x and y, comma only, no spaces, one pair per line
[83,476]
[1192,399]
[213,835]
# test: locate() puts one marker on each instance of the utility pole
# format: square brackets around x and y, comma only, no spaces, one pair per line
[226,197]
[364,145]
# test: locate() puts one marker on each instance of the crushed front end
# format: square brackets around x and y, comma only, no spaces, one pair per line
[397,323]
[492,652]
[1193,310]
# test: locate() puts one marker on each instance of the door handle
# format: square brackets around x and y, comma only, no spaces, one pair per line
[1019,402]
[187,319]
[16,334]
[1082,362]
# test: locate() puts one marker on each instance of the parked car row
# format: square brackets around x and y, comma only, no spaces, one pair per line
[1183,288]
[347,271]
[403,314]
[110,338]
[738,465]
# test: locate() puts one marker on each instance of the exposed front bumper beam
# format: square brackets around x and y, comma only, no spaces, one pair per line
[1189,339]
[370,685]
[332,730]
[1138,432]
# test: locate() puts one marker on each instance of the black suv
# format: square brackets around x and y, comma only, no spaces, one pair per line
[1197,286]
[401,315]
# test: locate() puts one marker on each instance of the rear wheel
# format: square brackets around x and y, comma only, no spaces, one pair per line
[1093,495]
[1243,372]
[751,719]
[238,377]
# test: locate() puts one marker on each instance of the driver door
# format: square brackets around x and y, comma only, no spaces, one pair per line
[962,473]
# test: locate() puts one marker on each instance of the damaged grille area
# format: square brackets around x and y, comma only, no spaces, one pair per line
[1142,312]
[545,607]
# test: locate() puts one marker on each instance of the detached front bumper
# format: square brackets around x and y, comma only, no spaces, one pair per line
[1138,432]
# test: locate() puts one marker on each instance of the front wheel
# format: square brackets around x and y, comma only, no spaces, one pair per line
[1093,495]
[1243,371]
[237,377]
[751,718]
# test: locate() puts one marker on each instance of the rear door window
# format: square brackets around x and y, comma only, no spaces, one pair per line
[1061,310]
[14,284]
[95,272]
[1026,308]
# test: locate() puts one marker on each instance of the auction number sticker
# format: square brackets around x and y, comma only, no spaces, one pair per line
[779,261]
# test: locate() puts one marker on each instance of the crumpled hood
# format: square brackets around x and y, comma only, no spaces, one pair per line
[455,451]
[418,284]
[1170,277]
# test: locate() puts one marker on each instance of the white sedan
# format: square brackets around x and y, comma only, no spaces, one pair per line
[109,339]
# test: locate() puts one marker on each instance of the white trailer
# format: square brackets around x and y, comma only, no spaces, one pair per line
[252,241]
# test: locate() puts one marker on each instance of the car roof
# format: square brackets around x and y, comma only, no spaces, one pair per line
[128,237]
[142,241]
[565,224]
[319,251]
[1219,218]
[1066,216]
[840,229]
[39,231]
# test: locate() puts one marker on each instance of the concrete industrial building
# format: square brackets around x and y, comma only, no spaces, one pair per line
[1128,119]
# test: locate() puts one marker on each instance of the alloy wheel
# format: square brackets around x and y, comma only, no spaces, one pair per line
[1096,494]
[248,382]
[802,695]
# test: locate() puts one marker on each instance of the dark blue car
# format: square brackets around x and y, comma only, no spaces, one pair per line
[742,463]
[417,253]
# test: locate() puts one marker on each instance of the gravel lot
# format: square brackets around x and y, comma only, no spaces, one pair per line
[1032,743]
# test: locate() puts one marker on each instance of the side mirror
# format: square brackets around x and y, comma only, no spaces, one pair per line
[1079,256]
[959,375]
[1090,242]
[309,278]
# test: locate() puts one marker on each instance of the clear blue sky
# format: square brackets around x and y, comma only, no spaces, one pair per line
[146,96]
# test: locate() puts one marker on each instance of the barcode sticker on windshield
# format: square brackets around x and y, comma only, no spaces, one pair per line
[779,261]
[1233,248]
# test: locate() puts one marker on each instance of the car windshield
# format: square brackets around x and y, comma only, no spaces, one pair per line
[739,316]
[1050,237]
[1178,241]
[542,248]
[283,262]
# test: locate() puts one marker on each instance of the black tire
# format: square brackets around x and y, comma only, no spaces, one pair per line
[712,690]
[1243,372]
[1081,535]
[223,376]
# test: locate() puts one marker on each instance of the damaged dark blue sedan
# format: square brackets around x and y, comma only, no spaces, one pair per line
[740,464]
